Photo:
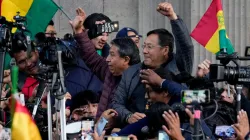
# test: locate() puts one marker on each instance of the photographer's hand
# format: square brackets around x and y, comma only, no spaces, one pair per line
[77,23]
[203,68]
[173,122]
[150,77]
[242,127]
[166,9]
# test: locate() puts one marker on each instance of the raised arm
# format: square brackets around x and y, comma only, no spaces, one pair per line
[184,45]
[95,62]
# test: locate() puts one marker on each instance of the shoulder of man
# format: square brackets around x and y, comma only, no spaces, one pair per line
[132,69]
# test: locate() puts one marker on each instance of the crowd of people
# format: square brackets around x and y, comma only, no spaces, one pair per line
[111,85]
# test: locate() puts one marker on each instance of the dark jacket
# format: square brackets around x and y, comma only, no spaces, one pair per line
[99,67]
[80,78]
[126,101]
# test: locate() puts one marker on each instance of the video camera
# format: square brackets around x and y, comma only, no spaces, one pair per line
[6,37]
[48,47]
[232,74]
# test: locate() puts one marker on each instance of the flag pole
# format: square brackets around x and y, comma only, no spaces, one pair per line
[60,8]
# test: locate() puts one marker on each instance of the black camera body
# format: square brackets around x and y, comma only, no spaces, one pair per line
[180,109]
[232,74]
[48,51]
[6,37]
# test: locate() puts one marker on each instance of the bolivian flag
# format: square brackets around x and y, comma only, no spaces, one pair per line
[23,127]
[37,12]
[210,32]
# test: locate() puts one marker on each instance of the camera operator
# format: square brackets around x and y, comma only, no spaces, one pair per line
[203,72]
[129,99]
[123,54]
[78,77]
[50,30]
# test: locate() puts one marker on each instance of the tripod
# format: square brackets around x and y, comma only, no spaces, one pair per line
[55,87]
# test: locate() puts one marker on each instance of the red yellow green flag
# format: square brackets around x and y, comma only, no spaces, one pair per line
[23,127]
[210,32]
[37,12]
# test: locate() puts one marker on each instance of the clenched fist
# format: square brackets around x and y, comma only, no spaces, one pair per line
[166,9]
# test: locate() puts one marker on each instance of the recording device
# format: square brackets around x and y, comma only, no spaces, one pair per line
[107,27]
[116,138]
[48,46]
[224,131]
[163,135]
[232,74]
[6,27]
[101,125]
[247,51]
[7,39]
[191,97]
[180,109]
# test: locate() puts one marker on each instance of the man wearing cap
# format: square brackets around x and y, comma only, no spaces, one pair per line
[130,32]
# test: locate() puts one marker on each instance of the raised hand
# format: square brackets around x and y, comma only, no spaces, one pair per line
[77,23]
[166,9]
[203,68]
[173,122]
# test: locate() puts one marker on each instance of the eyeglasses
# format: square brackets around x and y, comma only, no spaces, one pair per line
[136,36]
[148,47]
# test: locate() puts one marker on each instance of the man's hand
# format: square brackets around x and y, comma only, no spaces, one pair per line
[166,9]
[78,113]
[67,96]
[7,77]
[108,114]
[4,91]
[95,135]
[191,116]
[173,122]
[136,117]
[77,23]
[242,127]
[203,68]
[150,77]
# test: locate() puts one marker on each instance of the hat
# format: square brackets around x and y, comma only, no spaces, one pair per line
[124,33]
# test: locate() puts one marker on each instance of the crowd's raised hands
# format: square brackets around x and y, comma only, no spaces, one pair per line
[242,127]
